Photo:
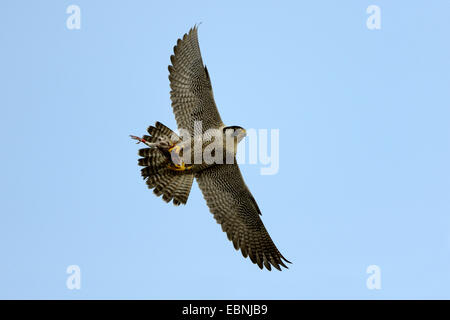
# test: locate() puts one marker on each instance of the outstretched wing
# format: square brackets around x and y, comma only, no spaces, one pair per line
[191,94]
[234,207]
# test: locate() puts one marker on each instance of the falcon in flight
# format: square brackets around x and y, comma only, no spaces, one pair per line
[169,174]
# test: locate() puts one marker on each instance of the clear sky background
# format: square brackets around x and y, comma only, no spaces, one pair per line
[364,174]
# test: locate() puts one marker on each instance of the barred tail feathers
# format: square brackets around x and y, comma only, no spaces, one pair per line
[172,185]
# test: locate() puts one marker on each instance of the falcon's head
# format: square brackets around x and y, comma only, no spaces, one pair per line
[236,132]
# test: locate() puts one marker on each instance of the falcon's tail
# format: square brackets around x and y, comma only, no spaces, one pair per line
[171,184]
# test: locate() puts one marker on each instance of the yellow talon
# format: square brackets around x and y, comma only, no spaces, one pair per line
[177,149]
[175,166]
[181,167]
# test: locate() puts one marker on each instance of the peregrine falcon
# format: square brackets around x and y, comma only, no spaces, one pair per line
[167,172]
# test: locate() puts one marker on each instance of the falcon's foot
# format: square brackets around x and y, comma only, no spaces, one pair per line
[181,167]
[178,164]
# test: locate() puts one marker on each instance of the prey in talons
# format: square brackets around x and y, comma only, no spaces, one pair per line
[174,150]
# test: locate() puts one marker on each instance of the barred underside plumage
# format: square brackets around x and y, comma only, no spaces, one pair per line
[234,207]
[192,96]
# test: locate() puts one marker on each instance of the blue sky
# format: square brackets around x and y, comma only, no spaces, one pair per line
[364,174]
